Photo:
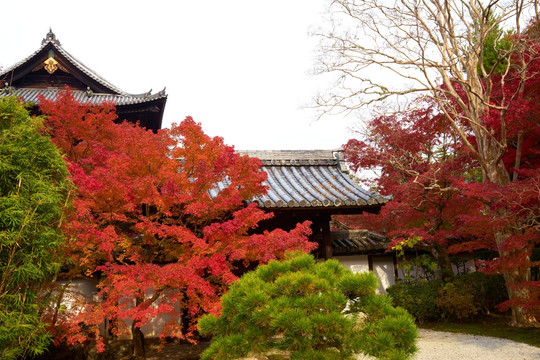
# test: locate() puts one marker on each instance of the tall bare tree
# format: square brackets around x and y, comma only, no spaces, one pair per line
[381,49]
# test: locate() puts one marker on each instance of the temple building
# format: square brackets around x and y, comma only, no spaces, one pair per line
[50,69]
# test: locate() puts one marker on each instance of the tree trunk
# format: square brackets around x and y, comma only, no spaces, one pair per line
[137,338]
[441,255]
[497,173]
[520,316]
[138,342]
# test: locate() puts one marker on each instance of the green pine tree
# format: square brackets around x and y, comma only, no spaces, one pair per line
[497,47]
[303,309]
[34,187]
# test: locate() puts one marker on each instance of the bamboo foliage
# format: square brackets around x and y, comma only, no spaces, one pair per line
[34,188]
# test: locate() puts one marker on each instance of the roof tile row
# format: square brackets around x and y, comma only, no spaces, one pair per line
[86,97]
[357,241]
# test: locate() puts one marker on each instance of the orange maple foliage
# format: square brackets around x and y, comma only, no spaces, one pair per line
[162,221]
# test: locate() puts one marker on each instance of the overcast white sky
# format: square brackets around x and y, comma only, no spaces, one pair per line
[240,67]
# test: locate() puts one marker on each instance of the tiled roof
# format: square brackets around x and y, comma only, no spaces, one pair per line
[311,179]
[31,95]
[357,241]
[123,98]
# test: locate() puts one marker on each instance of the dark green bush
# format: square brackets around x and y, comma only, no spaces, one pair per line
[455,301]
[418,299]
[487,290]
[462,298]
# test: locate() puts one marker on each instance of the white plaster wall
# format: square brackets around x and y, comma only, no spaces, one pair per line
[469,266]
[414,272]
[150,330]
[383,268]
[78,292]
[82,291]
[154,327]
[355,263]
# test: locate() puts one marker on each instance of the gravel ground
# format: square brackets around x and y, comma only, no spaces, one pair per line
[437,345]
[432,345]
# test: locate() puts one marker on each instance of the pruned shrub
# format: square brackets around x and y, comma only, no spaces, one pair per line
[301,309]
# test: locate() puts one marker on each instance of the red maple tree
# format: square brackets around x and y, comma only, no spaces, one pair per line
[442,192]
[162,221]
[423,164]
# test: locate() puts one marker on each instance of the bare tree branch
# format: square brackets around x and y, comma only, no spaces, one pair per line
[382,49]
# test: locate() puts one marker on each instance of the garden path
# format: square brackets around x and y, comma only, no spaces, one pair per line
[432,345]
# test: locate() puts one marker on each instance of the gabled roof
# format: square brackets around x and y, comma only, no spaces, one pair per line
[349,242]
[315,179]
[92,88]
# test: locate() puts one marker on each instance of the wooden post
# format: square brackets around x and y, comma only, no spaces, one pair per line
[315,237]
[396,273]
[370,262]
[327,239]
